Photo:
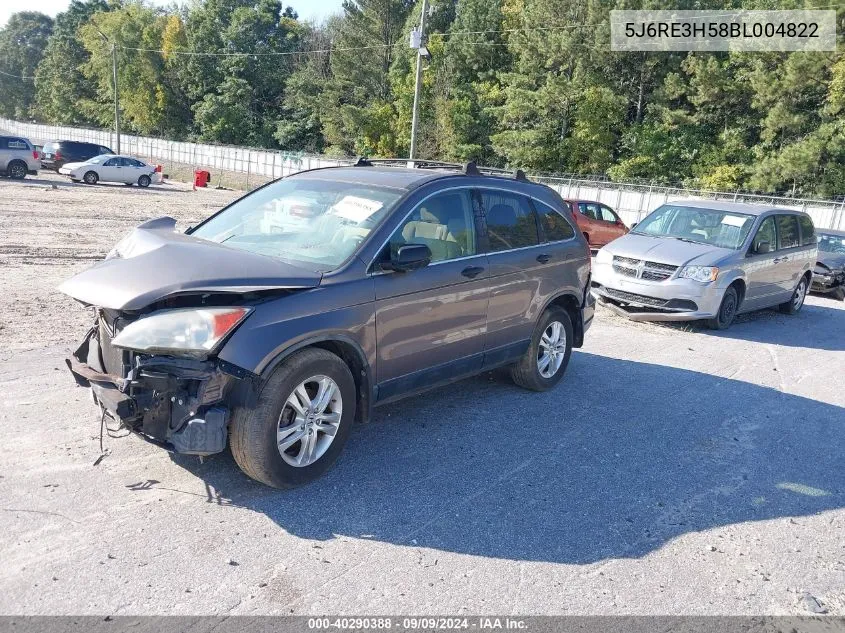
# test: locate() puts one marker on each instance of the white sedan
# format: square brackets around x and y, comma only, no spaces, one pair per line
[110,168]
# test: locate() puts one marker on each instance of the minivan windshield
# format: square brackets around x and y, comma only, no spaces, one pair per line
[316,223]
[724,229]
[831,243]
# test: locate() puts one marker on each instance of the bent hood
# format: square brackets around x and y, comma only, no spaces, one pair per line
[154,262]
[834,261]
[667,250]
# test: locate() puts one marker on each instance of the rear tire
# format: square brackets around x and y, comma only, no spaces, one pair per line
[17,170]
[527,373]
[727,311]
[90,178]
[796,301]
[144,181]
[256,433]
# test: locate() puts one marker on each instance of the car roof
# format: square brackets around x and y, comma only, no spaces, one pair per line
[830,232]
[395,177]
[409,178]
[735,207]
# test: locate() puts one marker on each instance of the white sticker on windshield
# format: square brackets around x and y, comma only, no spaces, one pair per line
[355,208]
[734,220]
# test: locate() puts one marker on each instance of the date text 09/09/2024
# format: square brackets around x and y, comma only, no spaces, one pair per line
[484,623]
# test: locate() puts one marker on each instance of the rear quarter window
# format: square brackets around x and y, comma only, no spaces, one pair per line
[808,231]
[555,226]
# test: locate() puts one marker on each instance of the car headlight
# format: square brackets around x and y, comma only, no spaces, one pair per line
[699,273]
[190,330]
[604,256]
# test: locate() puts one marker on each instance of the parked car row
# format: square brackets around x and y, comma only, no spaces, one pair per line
[81,162]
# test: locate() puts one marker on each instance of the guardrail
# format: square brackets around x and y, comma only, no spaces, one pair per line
[631,201]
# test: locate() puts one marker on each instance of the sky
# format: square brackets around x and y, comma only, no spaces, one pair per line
[307,9]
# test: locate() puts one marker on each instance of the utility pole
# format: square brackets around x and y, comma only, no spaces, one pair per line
[421,51]
[114,84]
[116,102]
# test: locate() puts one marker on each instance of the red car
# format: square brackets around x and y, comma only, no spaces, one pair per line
[598,222]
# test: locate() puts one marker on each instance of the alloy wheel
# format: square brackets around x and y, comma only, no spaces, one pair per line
[552,349]
[17,171]
[800,295]
[309,421]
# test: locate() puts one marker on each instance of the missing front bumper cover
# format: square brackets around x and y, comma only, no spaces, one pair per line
[178,403]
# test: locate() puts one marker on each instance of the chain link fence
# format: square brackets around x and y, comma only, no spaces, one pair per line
[632,201]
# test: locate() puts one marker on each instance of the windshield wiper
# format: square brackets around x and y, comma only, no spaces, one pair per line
[686,239]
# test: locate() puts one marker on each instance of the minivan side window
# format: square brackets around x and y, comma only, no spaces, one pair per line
[555,227]
[788,231]
[766,233]
[808,231]
[510,220]
[16,143]
[444,222]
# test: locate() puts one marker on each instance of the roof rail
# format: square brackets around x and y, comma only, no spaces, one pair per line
[470,168]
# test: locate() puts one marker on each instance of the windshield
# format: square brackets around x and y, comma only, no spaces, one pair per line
[318,223]
[724,229]
[832,243]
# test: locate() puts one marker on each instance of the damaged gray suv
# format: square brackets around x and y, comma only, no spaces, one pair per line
[279,321]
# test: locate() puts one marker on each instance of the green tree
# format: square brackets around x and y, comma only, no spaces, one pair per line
[357,116]
[60,84]
[22,43]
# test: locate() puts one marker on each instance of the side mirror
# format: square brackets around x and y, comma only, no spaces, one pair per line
[762,248]
[409,257]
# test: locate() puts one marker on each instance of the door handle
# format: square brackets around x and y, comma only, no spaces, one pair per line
[472,271]
[544,258]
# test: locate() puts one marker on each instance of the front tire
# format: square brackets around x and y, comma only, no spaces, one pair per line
[90,178]
[544,362]
[727,311]
[300,422]
[793,306]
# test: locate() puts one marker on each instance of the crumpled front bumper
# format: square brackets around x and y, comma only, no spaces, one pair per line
[181,404]
[828,282]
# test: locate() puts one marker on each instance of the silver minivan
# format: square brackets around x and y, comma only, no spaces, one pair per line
[702,259]
[18,157]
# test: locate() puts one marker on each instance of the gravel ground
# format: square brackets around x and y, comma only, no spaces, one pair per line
[674,471]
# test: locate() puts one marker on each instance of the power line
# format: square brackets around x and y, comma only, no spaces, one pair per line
[15,76]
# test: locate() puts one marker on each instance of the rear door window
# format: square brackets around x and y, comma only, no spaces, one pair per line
[788,231]
[510,220]
[590,209]
[17,143]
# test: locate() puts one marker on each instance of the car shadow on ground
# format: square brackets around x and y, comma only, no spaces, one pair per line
[616,461]
[814,327]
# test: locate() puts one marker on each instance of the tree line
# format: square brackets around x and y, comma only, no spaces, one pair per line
[518,83]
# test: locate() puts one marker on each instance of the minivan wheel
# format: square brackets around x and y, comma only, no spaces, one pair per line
[17,169]
[300,422]
[90,178]
[727,311]
[797,300]
[544,362]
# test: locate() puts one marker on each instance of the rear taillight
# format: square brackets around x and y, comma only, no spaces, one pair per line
[58,155]
[35,154]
